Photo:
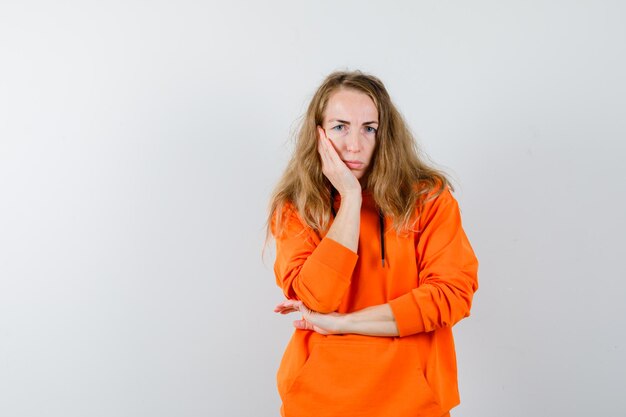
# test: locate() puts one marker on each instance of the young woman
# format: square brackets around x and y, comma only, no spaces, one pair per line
[371,251]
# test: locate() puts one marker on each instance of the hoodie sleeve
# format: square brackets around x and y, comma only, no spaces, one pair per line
[447,272]
[317,272]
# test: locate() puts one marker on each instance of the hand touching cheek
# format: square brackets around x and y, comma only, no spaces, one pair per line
[337,172]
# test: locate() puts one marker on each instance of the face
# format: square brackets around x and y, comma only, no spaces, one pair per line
[351,122]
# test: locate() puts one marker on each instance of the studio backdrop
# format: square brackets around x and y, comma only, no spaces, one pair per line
[140,143]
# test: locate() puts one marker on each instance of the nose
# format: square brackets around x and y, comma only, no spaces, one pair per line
[353,141]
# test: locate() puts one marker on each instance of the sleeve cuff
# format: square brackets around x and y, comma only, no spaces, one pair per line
[407,314]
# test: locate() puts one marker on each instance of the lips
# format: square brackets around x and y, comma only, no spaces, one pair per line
[354,164]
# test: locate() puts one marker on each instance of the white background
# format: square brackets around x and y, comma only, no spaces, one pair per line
[140,141]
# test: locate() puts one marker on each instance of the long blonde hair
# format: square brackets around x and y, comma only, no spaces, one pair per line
[398,178]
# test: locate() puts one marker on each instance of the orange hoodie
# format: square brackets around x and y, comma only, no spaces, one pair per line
[428,278]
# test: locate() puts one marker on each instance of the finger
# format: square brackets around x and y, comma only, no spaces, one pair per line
[322,143]
[303,324]
[320,135]
[330,157]
[292,305]
[284,310]
[329,147]
[333,155]
[279,307]
[321,148]
[284,305]
[326,143]
[322,132]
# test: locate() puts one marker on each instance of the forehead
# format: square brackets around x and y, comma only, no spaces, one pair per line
[350,105]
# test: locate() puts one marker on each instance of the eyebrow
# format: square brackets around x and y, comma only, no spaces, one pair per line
[347,122]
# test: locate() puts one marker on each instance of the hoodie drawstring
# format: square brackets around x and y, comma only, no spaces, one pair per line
[381,221]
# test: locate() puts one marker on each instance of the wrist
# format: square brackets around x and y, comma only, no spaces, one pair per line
[356,196]
[344,324]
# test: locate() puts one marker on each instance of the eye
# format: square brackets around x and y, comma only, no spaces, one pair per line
[337,128]
[371,129]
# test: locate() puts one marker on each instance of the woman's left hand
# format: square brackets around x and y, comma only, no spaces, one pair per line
[322,323]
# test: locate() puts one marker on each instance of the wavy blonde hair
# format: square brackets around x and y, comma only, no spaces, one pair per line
[398,177]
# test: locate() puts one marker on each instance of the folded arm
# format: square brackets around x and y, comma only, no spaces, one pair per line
[447,281]
[448,272]
[318,272]
[447,277]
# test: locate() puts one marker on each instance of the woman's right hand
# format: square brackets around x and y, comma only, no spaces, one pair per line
[337,172]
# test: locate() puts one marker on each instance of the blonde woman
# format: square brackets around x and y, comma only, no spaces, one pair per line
[370,250]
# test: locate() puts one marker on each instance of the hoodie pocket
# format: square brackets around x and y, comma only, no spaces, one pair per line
[360,379]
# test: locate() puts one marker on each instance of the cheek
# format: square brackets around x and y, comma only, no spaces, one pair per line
[370,149]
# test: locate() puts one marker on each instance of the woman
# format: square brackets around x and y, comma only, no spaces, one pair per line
[371,251]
